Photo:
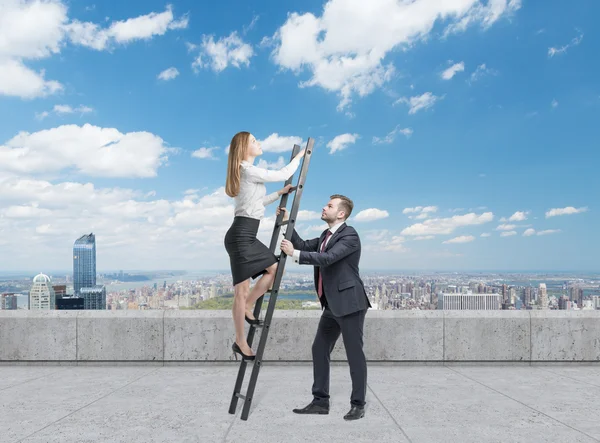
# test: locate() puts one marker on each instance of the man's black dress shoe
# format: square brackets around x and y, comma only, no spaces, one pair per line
[355,413]
[313,408]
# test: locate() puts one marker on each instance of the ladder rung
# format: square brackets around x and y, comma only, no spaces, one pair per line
[242,396]
[283,223]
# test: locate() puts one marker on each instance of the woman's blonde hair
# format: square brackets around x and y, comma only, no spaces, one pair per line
[237,152]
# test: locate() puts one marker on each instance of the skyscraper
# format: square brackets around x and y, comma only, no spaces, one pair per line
[84,263]
[543,296]
[42,294]
[94,298]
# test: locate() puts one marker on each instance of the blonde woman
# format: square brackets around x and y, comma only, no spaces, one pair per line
[248,256]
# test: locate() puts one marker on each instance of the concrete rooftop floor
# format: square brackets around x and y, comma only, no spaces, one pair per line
[405,403]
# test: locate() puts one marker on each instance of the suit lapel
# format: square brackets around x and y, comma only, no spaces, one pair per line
[334,237]
[321,238]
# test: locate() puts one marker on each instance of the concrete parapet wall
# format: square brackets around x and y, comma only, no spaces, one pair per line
[390,336]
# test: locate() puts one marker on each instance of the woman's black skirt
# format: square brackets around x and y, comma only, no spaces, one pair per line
[248,256]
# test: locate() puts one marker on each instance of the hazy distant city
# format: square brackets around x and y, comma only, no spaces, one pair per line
[85,288]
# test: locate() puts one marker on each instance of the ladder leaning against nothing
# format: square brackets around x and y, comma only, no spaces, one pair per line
[266,323]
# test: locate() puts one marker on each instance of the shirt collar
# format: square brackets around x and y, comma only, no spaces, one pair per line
[335,227]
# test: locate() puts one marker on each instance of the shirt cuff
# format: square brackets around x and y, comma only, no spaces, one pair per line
[296,256]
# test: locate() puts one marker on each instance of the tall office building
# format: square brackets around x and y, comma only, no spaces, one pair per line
[576,295]
[41,295]
[543,296]
[84,263]
[93,298]
[527,296]
[8,301]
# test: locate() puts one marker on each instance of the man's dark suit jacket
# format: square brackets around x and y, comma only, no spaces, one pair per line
[342,285]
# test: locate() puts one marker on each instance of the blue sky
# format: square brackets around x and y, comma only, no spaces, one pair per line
[441,125]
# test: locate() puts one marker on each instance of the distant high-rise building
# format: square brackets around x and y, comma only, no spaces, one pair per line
[576,295]
[8,301]
[563,302]
[93,298]
[72,303]
[543,296]
[527,296]
[505,294]
[84,263]
[60,290]
[470,301]
[41,295]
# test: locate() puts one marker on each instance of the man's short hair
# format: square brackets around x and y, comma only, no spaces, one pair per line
[345,204]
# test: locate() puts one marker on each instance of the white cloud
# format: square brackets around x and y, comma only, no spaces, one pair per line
[563,49]
[505,227]
[461,239]
[17,80]
[453,70]
[87,149]
[345,48]
[341,142]
[371,214]
[277,143]
[304,215]
[565,211]
[554,103]
[220,54]
[251,25]
[424,237]
[548,232]
[40,220]
[65,109]
[33,29]
[485,234]
[481,71]
[518,216]
[392,135]
[529,232]
[143,27]
[439,226]
[376,235]
[269,165]
[383,241]
[417,103]
[508,233]
[420,209]
[168,74]
[204,153]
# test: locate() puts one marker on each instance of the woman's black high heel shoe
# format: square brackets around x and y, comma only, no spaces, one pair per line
[252,321]
[236,349]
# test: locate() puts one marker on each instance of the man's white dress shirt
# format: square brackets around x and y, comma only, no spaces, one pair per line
[296,255]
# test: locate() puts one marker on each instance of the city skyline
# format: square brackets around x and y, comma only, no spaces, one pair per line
[465,135]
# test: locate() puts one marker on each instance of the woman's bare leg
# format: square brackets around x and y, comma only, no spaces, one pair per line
[260,288]
[240,296]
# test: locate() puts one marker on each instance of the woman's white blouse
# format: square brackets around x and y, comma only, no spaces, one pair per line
[252,198]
